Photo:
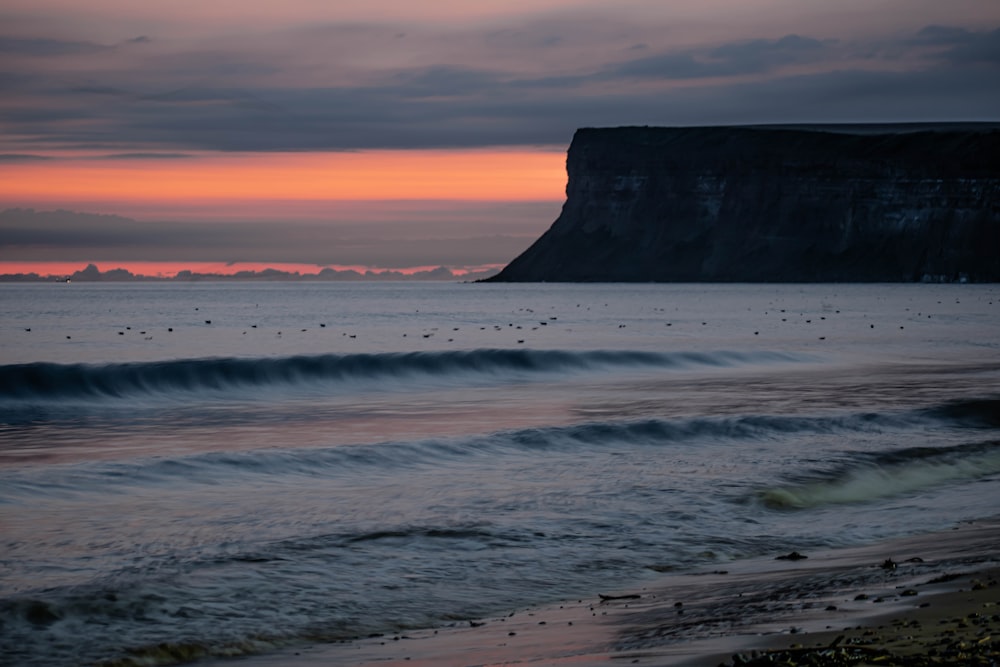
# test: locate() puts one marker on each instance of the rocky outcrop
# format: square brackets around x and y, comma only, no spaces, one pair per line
[755,204]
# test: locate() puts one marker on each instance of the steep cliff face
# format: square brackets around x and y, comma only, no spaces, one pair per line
[771,204]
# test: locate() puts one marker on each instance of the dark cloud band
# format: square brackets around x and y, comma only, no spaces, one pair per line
[143,96]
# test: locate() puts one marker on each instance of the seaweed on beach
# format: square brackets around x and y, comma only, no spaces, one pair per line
[941,649]
[960,654]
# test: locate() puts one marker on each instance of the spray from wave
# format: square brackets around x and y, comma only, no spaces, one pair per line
[889,475]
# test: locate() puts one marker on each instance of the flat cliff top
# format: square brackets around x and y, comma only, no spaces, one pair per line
[655,134]
[935,147]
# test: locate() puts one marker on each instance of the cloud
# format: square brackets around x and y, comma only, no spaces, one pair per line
[29,235]
[940,34]
[41,47]
[351,87]
[762,54]
[976,49]
[956,46]
[22,157]
[860,96]
[734,59]
[145,156]
[443,81]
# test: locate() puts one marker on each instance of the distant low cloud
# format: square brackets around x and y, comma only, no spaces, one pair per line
[29,235]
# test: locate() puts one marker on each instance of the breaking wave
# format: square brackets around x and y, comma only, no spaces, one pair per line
[44,381]
[888,475]
[982,412]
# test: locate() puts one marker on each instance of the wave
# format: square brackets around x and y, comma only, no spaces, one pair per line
[889,474]
[45,381]
[279,465]
[980,412]
[29,621]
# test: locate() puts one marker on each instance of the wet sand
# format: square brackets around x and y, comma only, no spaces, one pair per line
[927,599]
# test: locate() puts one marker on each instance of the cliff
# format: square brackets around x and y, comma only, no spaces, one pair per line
[755,204]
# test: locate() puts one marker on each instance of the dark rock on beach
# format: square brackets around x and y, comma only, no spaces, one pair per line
[853,203]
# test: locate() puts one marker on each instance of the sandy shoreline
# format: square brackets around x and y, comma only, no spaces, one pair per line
[938,595]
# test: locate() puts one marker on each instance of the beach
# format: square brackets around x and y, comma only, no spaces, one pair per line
[930,599]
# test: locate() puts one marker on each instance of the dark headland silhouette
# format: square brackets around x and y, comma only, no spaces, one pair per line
[839,203]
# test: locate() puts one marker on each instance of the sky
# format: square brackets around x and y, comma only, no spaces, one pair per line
[406,133]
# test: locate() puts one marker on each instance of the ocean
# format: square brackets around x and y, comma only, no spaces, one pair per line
[225,469]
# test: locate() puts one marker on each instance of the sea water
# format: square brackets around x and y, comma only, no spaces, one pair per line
[195,469]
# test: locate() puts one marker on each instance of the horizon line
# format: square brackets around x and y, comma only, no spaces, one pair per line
[159,270]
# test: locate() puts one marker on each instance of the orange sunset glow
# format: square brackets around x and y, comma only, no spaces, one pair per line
[494,175]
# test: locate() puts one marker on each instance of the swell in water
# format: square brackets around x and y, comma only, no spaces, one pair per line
[50,381]
[867,476]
